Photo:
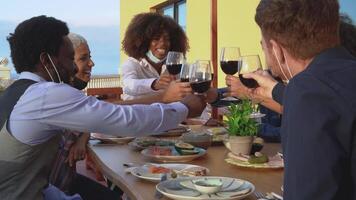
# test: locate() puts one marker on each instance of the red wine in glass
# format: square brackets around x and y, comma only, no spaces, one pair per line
[249,64]
[248,82]
[174,69]
[230,67]
[200,86]
[184,79]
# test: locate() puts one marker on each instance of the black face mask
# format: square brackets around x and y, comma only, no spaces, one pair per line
[79,83]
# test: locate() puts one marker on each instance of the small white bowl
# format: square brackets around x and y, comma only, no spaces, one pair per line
[208,186]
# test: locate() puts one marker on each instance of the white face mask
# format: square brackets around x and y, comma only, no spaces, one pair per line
[55,69]
[153,58]
[280,67]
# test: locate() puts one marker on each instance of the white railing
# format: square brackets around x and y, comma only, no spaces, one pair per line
[96,81]
[104,81]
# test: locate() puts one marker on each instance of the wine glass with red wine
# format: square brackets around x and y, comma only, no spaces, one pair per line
[185,72]
[174,62]
[249,64]
[200,77]
[229,61]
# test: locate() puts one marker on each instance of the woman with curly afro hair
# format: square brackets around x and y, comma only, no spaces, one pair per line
[147,41]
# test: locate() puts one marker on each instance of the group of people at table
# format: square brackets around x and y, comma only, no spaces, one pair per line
[46,118]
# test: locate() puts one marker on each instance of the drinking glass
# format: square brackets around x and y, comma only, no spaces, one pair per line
[249,64]
[200,78]
[229,61]
[185,72]
[174,62]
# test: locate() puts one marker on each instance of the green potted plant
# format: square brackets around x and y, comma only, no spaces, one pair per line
[241,127]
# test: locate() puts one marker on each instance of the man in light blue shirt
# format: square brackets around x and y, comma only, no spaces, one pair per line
[42,53]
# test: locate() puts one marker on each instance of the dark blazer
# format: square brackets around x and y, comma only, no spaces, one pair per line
[319,127]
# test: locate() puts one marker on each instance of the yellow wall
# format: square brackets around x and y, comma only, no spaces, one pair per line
[236,26]
[198,29]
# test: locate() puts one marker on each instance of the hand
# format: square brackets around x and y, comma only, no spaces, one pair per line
[162,82]
[265,81]
[211,95]
[236,88]
[78,150]
[195,104]
[176,91]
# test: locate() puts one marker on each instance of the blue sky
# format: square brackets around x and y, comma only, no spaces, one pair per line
[349,7]
[97,21]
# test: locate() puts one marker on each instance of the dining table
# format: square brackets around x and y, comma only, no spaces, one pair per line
[110,159]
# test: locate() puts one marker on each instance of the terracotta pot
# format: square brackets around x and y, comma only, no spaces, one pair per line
[239,144]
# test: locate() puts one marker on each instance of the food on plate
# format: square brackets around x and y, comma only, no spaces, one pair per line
[217,130]
[158,170]
[145,142]
[160,151]
[184,145]
[185,148]
[258,158]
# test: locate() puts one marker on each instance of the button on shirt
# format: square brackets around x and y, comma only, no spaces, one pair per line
[137,78]
[48,108]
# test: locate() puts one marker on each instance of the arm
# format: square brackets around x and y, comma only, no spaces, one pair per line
[68,108]
[78,149]
[315,141]
[273,105]
[176,91]
[134,82]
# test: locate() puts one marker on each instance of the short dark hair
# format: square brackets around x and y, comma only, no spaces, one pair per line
[303,27]
[146,26]
[348,34]
[34,36]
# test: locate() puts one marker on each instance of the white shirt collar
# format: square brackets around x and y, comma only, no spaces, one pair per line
[31,76]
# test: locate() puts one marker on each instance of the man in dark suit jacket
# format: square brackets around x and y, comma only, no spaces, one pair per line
[301,42]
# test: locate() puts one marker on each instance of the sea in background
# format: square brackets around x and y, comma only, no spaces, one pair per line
[104,43]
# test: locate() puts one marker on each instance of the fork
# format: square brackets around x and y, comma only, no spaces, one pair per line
[260,196]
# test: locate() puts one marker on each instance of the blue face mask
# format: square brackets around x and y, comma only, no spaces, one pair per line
[153,58]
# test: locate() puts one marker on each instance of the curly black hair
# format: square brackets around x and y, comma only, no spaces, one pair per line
[348,34]
[34,36]
[144,27]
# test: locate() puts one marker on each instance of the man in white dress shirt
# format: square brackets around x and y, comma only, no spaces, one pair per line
[43,55]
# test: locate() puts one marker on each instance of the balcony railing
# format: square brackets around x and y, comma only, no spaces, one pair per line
[106,87]
[104,81]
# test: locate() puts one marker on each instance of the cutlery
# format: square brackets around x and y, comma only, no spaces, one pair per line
[277,196]
[260,196]
[268,196]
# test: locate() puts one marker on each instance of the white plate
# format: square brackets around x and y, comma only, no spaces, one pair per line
[275,162]
[111,138]
[257,115]
[183,189]
[143,171]
[176,157]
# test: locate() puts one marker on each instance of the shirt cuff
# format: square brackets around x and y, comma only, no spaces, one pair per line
[148,82]
[181,108]
[278,93]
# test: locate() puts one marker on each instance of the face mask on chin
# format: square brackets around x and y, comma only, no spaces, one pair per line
[79,83]
[153,58]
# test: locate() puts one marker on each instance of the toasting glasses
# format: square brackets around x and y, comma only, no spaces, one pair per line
[201,76]
[174,62]
[229,61]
